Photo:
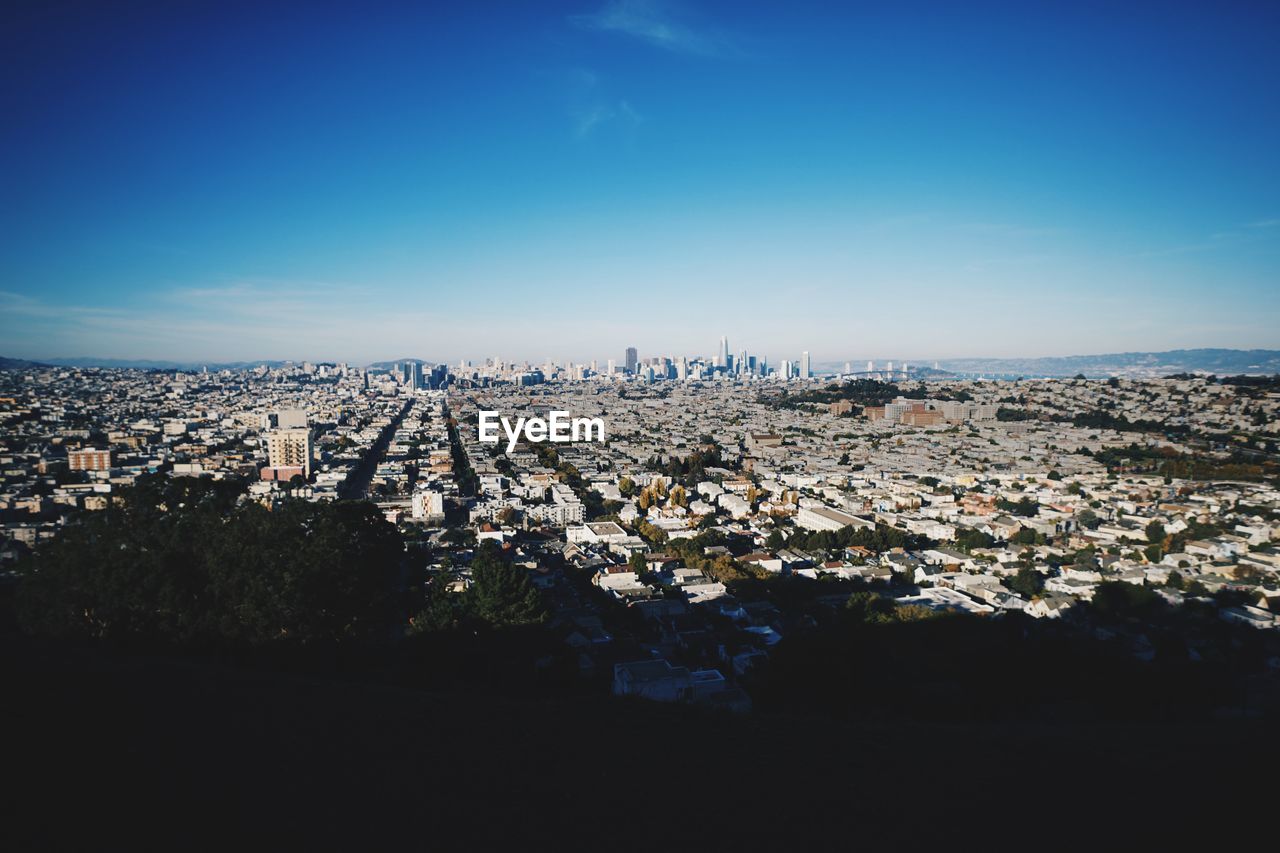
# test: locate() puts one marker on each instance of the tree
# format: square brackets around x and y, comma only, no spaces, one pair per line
[1120,600]
[651,532]
[179,568]
[640,565]
[1026,507]
[458,536]
[1027,582]
[627,487]
[1155,532]
[869,607]
[502,594]
[1025,536]
[968,538]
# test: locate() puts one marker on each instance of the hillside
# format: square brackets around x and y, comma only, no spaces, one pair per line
[167,752]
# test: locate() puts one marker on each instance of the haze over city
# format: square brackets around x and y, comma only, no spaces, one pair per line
[218,183]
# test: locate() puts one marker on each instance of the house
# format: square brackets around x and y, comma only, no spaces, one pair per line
[596,531]
[1255,617]
[941,598]
[735,506]
[757,441]
[764,560]
[655,680]
[1050,606]
[825,518]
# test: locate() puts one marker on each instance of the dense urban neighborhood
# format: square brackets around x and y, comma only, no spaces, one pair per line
[723,525]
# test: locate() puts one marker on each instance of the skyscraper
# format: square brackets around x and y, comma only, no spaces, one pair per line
[723,357]
[632,359]
[805,371]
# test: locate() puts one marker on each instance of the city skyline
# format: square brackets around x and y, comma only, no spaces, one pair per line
[210,184]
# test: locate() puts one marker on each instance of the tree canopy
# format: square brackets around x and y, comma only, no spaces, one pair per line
[175,562]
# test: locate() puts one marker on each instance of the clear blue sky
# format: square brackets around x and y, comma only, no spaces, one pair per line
[365,181]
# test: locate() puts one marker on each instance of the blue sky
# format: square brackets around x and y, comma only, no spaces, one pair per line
[369,181]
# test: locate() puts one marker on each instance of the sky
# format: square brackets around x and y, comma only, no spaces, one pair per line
[365,181]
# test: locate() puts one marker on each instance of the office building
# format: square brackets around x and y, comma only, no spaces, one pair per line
[806,371]
[632,359]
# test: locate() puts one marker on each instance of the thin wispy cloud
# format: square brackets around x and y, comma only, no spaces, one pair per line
[661,24]
[619,112]
[592,107]
[264,319]
[1252,232]
[1008,229]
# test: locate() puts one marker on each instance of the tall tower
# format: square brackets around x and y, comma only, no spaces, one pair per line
[632,359]
[724,351]
[805,368]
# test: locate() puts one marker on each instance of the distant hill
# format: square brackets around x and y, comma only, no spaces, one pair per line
[1222,362]
[156,364]
[148,364]
[19,364]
